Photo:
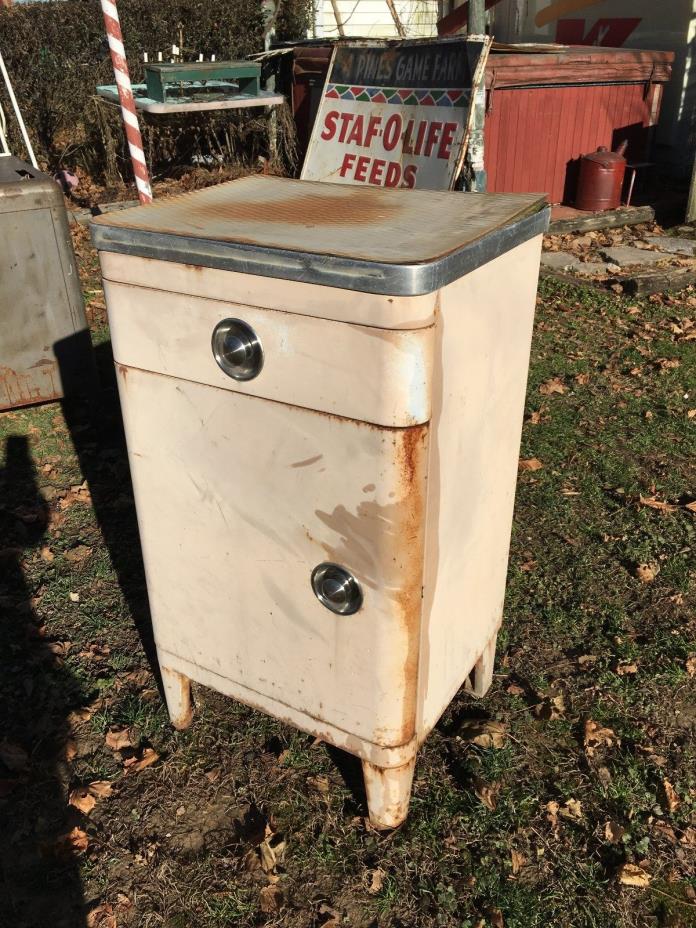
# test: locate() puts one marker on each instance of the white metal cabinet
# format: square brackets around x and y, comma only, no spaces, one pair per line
[325,539]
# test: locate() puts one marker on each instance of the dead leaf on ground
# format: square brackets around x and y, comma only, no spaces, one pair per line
[655,503]
[551,708]
[691,414]
[14,757]
[614,832]
[597,735]
[135,764]
[646,573]
[552,810]
[79,554]
[554,385]
[47,555]
[487,793]
[690,506]
[319,783]
[329,917]
[82,799]
[582,379]
[376,881]
[633,875]
[73,597]
[530,464]
[100,789]
[271,852]
[626,668]
[483,733]
[673,801]
[118,739]
[535,417]
[74,842]
[690,665]
[495,917]
[271,899]
[571,808]
[102,916]
[586,660]
[665,831]
[517,860]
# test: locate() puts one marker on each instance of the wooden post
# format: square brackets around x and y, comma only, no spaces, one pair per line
[691,205]
[476,21]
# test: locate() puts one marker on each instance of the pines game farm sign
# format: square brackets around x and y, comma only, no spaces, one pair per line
[396,115]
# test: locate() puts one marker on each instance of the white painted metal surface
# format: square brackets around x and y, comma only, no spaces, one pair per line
[244,487]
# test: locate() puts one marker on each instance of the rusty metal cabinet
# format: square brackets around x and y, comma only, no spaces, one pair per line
[322,389]
[45,348]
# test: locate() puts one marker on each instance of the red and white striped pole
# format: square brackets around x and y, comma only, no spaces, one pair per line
[125,95]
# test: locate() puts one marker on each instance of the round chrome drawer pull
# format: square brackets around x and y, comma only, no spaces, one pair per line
[337,589]
[237,349]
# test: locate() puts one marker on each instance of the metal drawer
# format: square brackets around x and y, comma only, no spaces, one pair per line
[381,376]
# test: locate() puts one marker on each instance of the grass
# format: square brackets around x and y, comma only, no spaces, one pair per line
[179,842]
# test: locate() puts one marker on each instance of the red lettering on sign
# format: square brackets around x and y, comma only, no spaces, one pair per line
[361,168]
[329,125]
[434,130]
[448,134]
[348,160]
[407,149]
[346,119]
[392,132]
[410,176]
[356,132]
[372,129]
[420,138]
[611,33]
[378,166]
[393,175]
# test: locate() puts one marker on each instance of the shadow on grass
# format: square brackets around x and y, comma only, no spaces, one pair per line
[39,872]
[96,430]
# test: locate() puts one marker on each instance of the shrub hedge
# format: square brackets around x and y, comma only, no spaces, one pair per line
[56,53]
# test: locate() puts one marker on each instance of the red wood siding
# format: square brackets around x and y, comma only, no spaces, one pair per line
[534,135]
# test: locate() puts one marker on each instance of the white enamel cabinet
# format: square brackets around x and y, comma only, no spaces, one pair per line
[322,388]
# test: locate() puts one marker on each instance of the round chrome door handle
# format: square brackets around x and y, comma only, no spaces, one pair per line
[337,589]
[237,349]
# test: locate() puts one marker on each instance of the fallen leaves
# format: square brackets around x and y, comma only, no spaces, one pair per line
[596,736]
[530,464]
[376,878]
[614,832]
[81,799]
[690,665]
[517,861]
[487,793]
[671,798]
[72,843]
[646,573]
[483,733]
[554,385]
[147,758]
[118,739]
[655,503]
[551,708]
[633,875]
[271,899]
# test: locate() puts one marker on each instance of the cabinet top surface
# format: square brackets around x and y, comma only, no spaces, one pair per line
[362,238]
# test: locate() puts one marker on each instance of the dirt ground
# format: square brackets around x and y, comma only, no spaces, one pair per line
[566,797]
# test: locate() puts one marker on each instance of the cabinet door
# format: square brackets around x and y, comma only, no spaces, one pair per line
[239,498]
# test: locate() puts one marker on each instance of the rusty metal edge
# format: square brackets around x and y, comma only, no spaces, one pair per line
[384,279]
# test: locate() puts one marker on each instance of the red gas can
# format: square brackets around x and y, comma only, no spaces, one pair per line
[601,179]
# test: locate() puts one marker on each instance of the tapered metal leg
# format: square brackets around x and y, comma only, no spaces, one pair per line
[481,677]
[177,692]
[388,793]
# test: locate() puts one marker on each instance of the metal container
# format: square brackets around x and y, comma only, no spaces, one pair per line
[45,348]
[601,179]
[322,388]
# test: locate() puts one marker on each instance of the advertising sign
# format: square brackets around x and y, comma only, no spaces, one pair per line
[397,114]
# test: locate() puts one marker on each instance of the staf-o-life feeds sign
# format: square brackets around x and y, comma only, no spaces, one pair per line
[396,114]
